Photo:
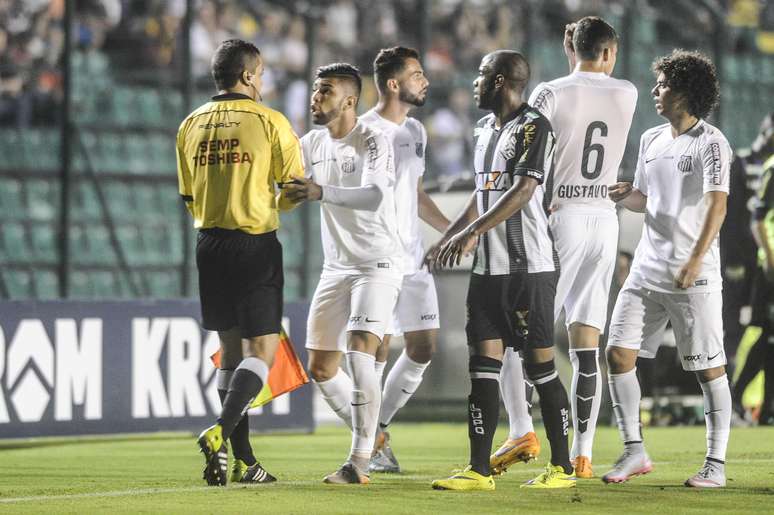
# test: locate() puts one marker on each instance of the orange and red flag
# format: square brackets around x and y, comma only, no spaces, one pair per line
[286,374]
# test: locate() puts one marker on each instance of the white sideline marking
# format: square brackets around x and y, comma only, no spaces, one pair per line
[154,491]
[139,492]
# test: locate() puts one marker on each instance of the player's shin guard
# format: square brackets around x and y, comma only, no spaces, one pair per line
[366,400]
[585,395]
[513,389]
[403,380]
[717,415]
[337,392]
[248,379]
[625,394]
[555,409]
[483,410]
[240,437]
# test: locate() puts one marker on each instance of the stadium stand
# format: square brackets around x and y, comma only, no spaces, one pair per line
[128,100]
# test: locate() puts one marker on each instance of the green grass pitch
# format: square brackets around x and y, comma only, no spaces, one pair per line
[162,475]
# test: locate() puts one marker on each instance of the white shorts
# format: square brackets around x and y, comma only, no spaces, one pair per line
[342,303]
[587,246]
[640,315]
[417,307]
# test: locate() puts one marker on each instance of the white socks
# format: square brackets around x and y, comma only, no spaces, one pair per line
[337,392]
[585,398]
[717,415]
[513,391]
[366,400]
[402,381]
[379,367]
[625,394]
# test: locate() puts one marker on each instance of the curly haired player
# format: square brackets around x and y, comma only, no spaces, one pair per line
[681,183]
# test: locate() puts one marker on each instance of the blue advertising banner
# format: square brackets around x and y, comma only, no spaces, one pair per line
[77,368]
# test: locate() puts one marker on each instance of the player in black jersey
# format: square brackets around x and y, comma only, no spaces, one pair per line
[511,294]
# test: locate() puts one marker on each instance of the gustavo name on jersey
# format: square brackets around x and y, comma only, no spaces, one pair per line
[581,191]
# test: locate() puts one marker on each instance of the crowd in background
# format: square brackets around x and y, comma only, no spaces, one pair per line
[140,42]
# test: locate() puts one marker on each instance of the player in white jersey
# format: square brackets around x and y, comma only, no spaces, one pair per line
[681,183]
[349,168]
[591,113]
[402,85]
[510,299]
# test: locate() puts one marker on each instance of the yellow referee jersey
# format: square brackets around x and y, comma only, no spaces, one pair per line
[230,154]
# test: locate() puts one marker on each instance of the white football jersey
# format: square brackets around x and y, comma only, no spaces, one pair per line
[675,173]
[591,114]
[409,140]
[355,240]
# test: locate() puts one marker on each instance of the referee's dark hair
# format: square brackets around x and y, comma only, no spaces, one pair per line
[230,59]
[389,62]
[344,71]
[590,37]
[692,75]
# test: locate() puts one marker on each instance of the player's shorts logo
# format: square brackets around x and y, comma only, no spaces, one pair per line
[685,164]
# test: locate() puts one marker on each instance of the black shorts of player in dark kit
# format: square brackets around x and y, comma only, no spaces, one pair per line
[762,300]
[240,281]
[516,308]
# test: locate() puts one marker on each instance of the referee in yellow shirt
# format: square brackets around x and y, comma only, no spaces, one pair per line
[232,154]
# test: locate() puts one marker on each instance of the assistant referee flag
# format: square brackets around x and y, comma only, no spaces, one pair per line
[286,374]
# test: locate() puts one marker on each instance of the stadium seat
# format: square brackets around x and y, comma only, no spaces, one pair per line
[164,285]
[10,142]
[149,106]
[19,284]
[44,243]
[112,157]
[11,200]
[46,284]
[119,200]
[100,249]
[81,286]
[15,244]
[85,205]
[146,201]
[129,239]
[137,161]
[42,199]
[104,284]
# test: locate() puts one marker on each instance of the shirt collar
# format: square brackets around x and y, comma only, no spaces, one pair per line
[230,96]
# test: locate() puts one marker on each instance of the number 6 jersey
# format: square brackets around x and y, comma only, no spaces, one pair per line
[591,114]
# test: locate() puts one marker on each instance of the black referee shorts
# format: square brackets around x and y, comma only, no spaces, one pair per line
[517,309]
[240,281]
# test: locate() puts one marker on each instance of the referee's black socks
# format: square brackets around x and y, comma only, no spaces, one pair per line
[483,410]
[555,409]
[240,437]
[248,379]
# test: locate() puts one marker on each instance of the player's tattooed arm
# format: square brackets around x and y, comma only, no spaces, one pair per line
[625,194]
[716,212]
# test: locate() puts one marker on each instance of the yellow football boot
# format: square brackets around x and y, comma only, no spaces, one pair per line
[467,479]
[553,477]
